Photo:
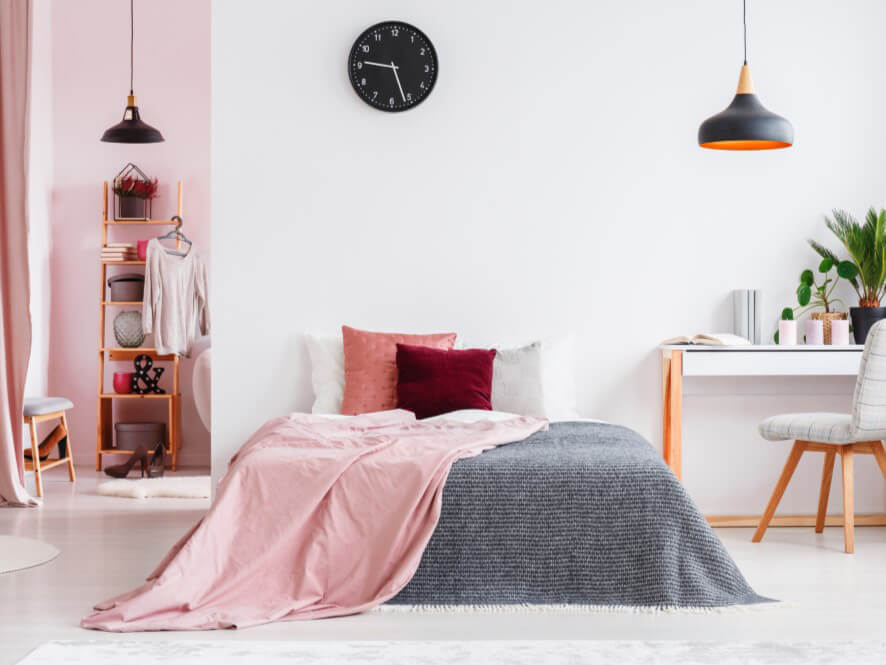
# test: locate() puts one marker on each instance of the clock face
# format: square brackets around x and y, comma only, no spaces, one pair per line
[393,66]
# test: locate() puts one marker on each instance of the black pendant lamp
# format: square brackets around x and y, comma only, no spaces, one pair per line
[131,129]
[745,124]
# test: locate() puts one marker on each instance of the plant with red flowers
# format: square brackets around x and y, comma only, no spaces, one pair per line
[129,187]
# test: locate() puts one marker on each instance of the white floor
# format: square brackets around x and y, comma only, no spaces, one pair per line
[109,545]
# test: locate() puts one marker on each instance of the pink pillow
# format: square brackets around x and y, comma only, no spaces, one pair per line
[371,367]
[431,381]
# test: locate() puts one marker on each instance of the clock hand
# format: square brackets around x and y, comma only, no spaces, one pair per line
[394,67]
[380,64]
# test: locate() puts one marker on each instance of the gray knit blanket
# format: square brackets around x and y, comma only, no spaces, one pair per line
[584,513]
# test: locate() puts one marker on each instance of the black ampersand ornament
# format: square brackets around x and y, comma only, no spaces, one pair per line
[143,363]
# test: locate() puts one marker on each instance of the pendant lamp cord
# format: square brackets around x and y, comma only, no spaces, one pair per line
[744,22]
[131,44]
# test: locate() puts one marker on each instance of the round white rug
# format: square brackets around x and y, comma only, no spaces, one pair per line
[20,553]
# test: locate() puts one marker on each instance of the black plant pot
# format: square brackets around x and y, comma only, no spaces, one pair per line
[862,320]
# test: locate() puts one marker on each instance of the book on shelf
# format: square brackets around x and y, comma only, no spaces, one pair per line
[709,339]
[124,245]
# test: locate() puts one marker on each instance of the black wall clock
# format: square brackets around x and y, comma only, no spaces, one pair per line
[393,66]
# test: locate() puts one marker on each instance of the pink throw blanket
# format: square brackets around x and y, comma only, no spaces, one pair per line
[315,518]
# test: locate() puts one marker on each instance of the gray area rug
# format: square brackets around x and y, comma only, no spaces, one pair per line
[573,652]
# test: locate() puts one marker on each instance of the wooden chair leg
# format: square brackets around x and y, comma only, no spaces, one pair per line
[826,475]
[880,456]
[778,492]
[35,456]
[71,474]
[846,456]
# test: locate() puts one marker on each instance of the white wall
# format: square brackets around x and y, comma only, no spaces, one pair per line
[551,182]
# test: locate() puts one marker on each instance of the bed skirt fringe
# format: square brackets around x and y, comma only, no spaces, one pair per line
[526,608]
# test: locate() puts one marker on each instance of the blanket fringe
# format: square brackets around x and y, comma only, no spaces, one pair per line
[520,608]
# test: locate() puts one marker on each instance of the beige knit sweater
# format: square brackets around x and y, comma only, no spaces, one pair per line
[176,299]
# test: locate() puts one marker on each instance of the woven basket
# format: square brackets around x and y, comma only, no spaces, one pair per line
[826,318]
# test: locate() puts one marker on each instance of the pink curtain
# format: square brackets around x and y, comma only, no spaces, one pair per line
[15,317]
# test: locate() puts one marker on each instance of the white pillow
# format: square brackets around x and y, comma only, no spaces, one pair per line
[517,381]
[472,416]
[327,372]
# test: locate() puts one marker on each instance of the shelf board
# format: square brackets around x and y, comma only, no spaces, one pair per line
[123,263]
[134,396]
[134,222]
[119,353]
[122,303]
[121,451]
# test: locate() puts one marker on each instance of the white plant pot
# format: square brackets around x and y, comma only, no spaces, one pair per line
[787,333]
[814,331]
[840,332]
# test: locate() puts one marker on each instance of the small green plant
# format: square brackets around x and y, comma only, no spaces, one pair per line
[812,295]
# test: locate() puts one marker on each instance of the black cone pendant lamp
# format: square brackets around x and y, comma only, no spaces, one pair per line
[131,129]
[745,124]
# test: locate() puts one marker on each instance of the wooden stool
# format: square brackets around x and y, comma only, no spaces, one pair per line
[37,410]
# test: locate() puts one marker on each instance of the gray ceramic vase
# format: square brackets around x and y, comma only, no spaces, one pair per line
[128,329]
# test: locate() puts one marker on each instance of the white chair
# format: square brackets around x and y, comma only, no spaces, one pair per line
[861,432]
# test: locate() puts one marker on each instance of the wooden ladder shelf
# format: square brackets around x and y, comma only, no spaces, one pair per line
[104,444]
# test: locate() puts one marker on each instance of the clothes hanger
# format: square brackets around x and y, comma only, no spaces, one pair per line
[176,234]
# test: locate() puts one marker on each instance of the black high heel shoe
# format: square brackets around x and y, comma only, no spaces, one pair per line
[139,456]
[158,462]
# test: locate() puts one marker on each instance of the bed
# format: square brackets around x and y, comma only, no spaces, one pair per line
[320,517]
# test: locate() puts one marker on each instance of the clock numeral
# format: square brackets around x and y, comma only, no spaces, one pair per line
[365,48]
[412,39]
[376,37]
[374,94]
[359,65]
[391,101]
[422,51]
[362,81]
[408,96]
[427,69]
[422,85]
[395,32]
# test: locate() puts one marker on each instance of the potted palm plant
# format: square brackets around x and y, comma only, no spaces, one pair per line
[866,271]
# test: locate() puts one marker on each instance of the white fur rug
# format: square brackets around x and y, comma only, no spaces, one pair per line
[20,553]
[113,651]
[178,487]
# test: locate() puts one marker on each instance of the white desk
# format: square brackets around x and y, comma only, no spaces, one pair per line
[762,360]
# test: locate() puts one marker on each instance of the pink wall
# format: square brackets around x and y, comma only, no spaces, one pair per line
[90,75]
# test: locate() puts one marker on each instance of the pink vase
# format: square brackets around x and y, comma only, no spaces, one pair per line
[123,382]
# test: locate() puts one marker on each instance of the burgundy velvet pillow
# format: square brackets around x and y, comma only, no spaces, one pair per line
[435,381]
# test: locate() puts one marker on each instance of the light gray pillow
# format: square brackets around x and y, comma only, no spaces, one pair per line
[517,381]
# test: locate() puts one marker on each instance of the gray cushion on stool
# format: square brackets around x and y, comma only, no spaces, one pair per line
[38,406]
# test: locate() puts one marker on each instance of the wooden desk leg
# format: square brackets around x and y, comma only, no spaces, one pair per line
[672,404]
